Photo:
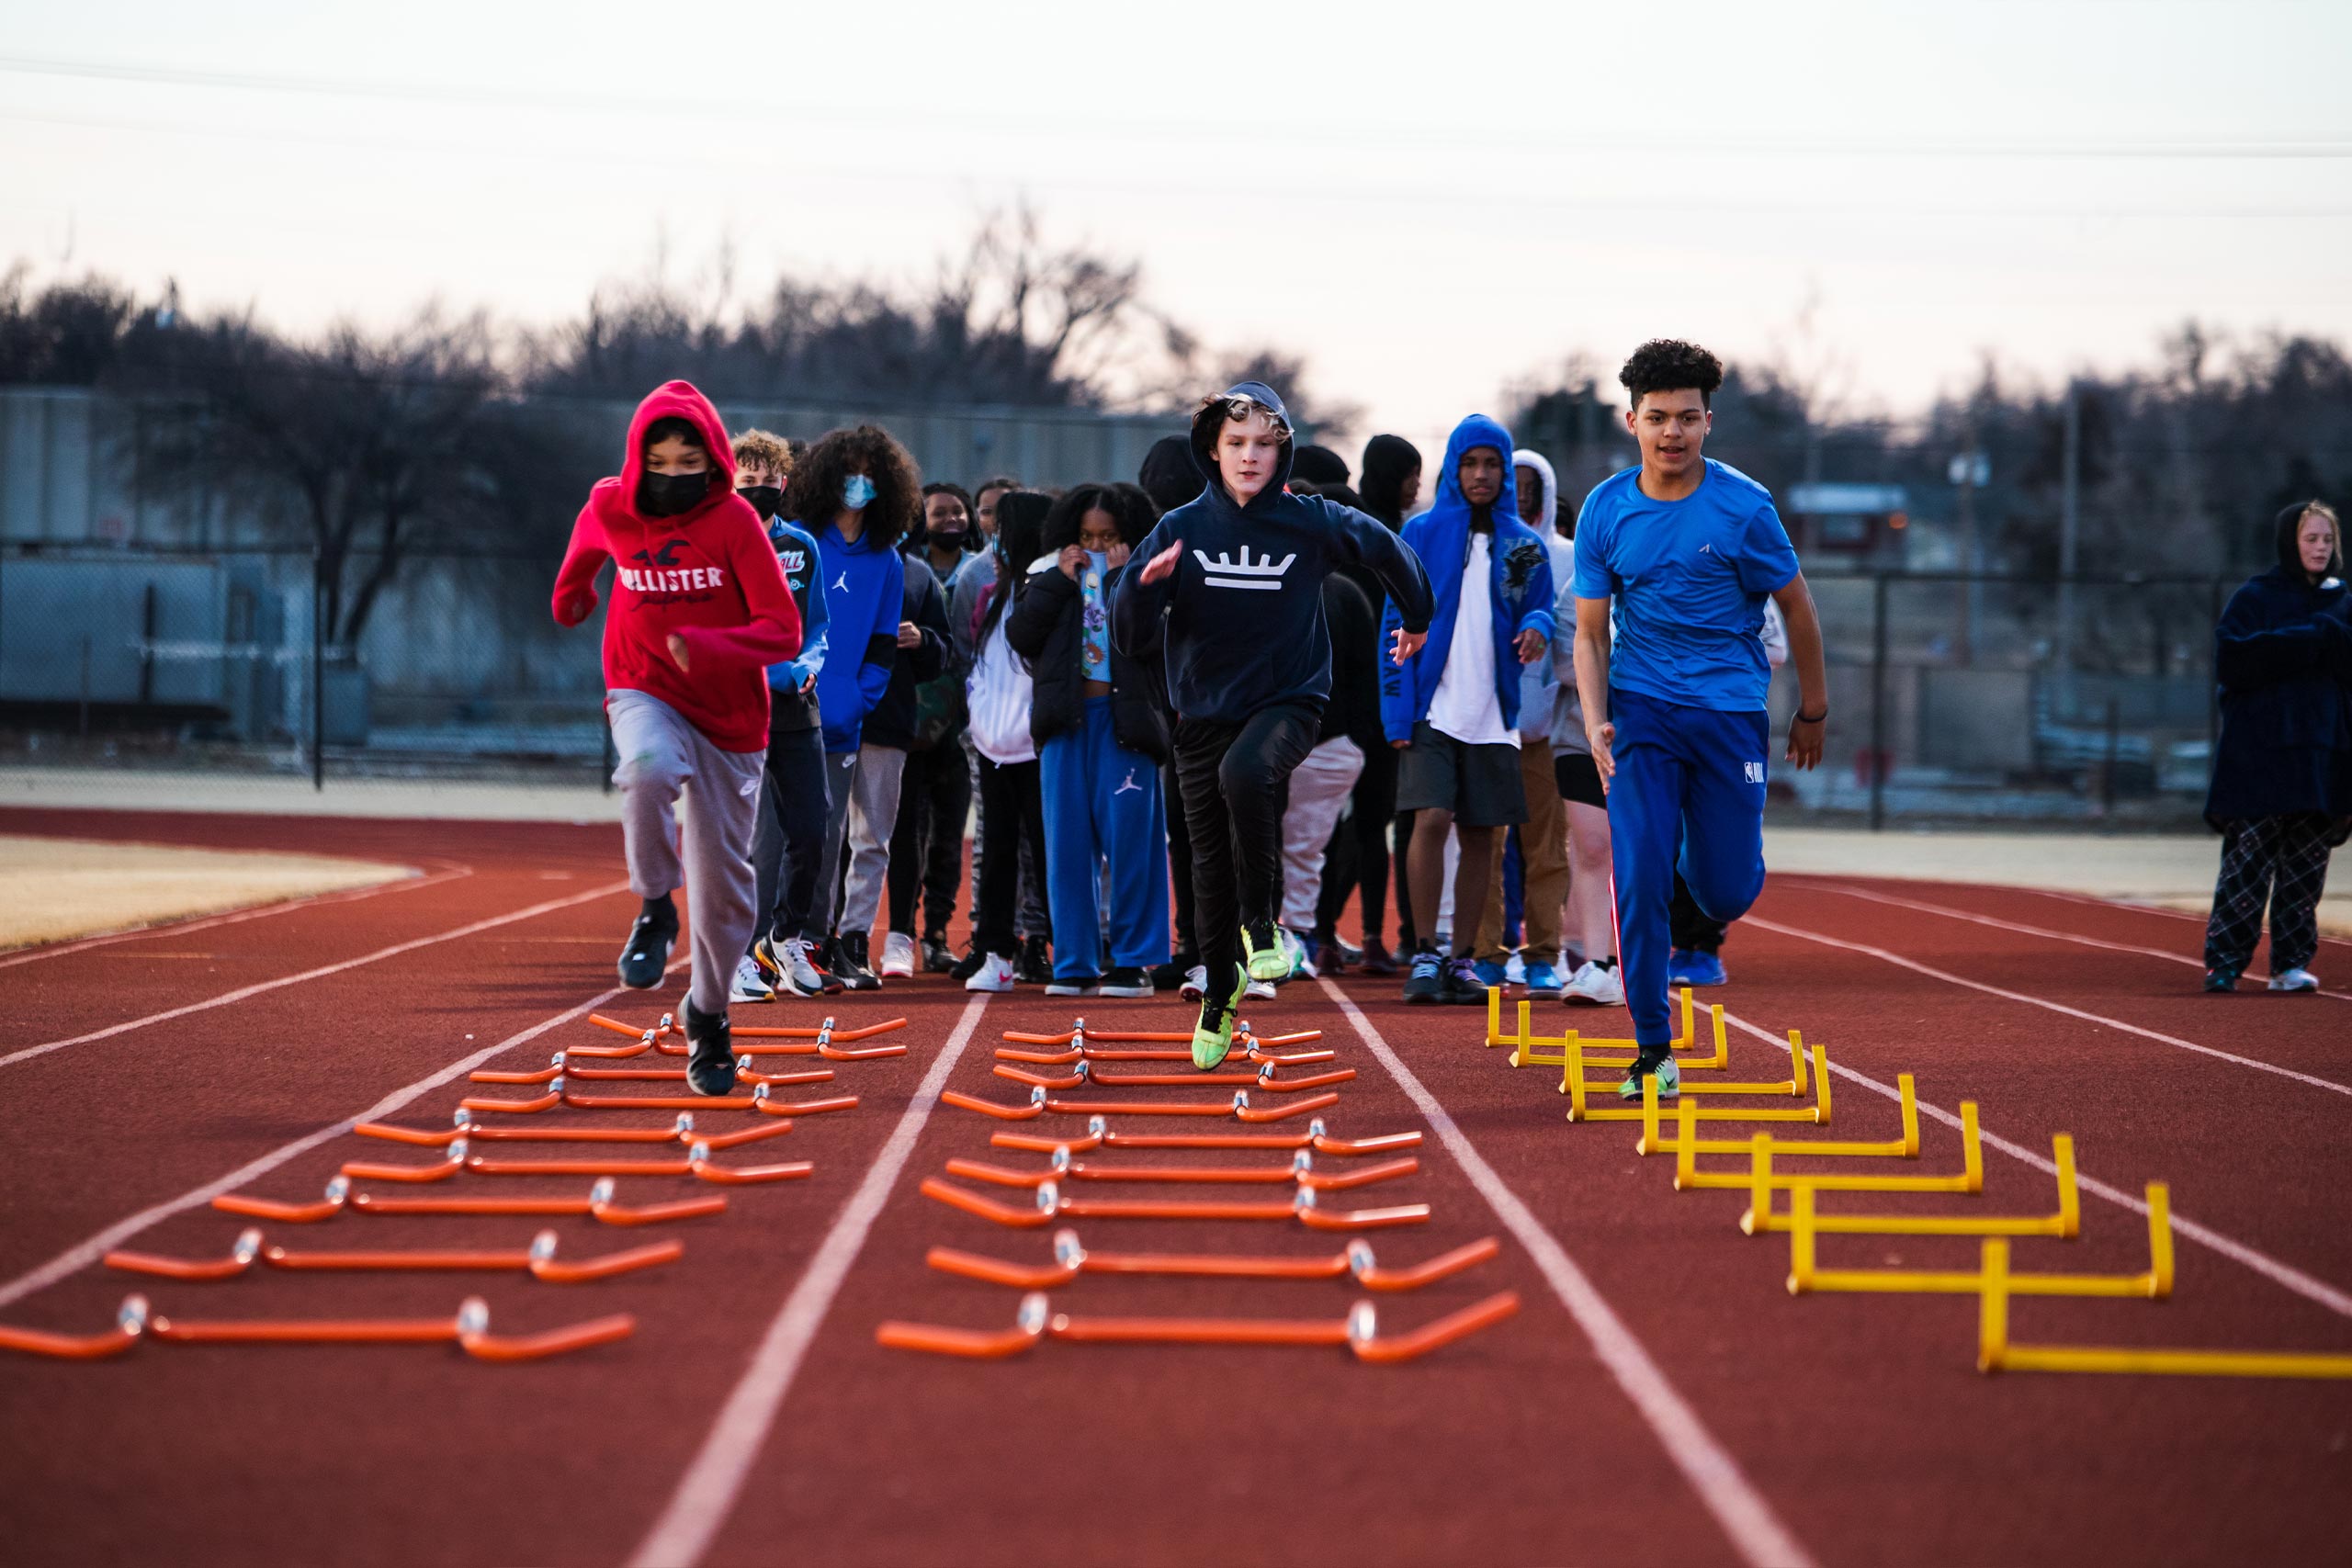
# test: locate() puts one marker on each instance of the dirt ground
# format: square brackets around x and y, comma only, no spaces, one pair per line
[53,889]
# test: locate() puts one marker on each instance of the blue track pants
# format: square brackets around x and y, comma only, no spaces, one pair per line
[1103,814]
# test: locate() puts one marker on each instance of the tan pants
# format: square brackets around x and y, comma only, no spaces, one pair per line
[1544,852]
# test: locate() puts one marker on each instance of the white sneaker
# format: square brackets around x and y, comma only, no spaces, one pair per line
[1196,983]
[897,956]
[748,986]
[1302,957]
[795,960]
[2294,980]
[995,973]
[1515,972]
[1259,991]
[1592,986]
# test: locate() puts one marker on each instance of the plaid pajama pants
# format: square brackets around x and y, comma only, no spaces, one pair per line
[2278,861]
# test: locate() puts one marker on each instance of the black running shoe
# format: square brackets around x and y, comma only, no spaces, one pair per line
[1426,982]
[850,969]
[2222,982]
[968,965]
[646,954]
[1462,986]
[936,958]
[710,1068]
[1034,964]
[1129,980]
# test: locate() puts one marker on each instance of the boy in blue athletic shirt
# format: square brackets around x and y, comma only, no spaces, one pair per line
[1689,549]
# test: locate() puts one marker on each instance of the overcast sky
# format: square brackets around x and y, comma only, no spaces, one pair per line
[1430,212]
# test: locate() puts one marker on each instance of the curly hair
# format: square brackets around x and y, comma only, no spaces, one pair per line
[1669,365]
[1130,509]
[762,449]
[814,494]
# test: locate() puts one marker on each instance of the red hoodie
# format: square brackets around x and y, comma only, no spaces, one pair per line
[707,574]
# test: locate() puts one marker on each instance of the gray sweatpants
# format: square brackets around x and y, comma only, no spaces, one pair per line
[661,756]
[873,814]
[840,787]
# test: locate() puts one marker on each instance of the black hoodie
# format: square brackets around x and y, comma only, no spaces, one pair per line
[1244,606]
[2283,655]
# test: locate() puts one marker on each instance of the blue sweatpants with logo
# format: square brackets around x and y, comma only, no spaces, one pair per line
[1103,814]
[1689,795]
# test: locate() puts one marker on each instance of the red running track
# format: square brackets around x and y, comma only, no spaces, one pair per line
[1856,1428]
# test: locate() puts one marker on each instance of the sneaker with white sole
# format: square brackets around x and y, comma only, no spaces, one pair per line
[1196,983]
[1515,970]
[1302,955]
[995,973]
[1595,986]
[1259,991]
[749,985]
[2294,980]
[1076,985]
[1669,1078]
[1128,980]
[796,968]
[897,956]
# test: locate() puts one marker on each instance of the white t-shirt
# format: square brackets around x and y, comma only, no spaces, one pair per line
[1465,705]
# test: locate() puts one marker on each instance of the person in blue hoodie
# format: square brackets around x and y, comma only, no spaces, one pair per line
[1681,552]
[857,493]
[1232,585]
[788,837]
[1452,711]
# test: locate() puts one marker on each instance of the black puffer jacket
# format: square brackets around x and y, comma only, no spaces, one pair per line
[2283,654]
[1044,630]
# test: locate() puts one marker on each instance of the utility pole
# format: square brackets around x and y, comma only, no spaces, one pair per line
[1969,470]
[2069,526]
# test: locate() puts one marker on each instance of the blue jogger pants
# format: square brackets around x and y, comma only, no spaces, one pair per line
[1103,814]
[1689,795]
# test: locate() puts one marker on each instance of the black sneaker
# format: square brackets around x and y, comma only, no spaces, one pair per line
[936,958]
[1128,981]
[710,1068]
[1034,964]
[1462,986]
[2220,982]
[968,965]
[850,969]
[1170,976]
[1426,982]
[646,953]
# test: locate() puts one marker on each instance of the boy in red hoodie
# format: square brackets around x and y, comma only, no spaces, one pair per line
[699,611]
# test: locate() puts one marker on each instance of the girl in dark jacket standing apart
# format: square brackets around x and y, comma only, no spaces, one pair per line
[2282,778]
[1100,741]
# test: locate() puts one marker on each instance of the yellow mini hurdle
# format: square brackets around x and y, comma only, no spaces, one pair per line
[1688,1146]
[1806,1212]
[1528,1048]
[1996,1284]
[1580,1107]
[1805,1277]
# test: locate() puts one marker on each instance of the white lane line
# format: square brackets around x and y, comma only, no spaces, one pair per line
[1756,1532]
[260,987]
[706,1494]
[2044,933]
[410,883]
[83,1253]
[1948,978]
[2237,1251]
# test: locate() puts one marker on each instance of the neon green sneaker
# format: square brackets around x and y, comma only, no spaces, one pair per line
[1261,944]
[1669,1081]
[1213,1036]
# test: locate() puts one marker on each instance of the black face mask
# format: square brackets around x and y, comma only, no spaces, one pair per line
[952,539]
[666,495]
[765,499]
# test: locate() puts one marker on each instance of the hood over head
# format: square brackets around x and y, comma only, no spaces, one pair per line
[1387,460]
[2284,527]
[677,400]
[1547,520]
[1169,474]
[1476,429]
[1320,465]
[1206,423]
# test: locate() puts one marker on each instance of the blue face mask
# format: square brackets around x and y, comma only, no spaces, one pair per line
[857,492]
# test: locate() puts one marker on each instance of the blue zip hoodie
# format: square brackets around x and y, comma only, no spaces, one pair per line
[1519,577]
[1244,607]
[864,588]
[795,552]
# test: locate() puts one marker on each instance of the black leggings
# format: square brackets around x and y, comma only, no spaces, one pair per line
[1180,865]
[1363,860]
[1234,778]
[1011,800]
[927,843]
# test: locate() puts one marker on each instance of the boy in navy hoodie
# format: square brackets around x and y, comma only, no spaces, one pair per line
[1453,710]
[1233,581]
[855,493]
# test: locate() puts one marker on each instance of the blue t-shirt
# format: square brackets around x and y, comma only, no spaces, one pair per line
[1690,578]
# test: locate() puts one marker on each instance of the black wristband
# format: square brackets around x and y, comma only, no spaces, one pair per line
[1805,718]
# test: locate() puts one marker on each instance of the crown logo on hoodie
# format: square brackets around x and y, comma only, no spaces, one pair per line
[1265,573]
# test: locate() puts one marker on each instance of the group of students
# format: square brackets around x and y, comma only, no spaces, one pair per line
[1230,681]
